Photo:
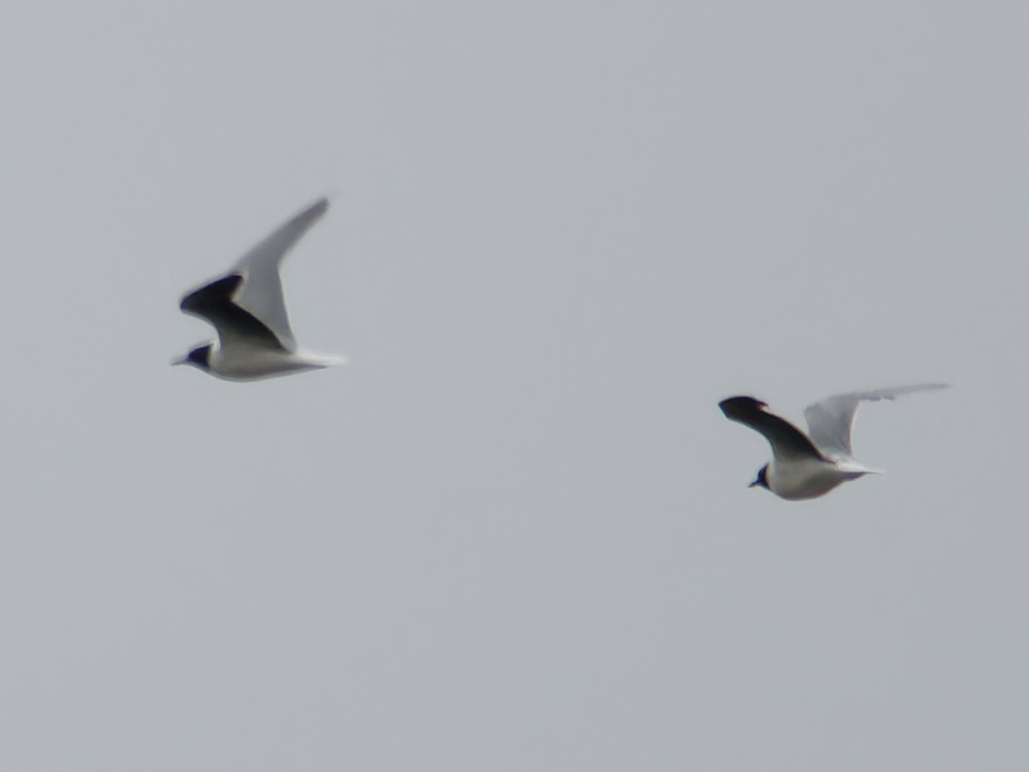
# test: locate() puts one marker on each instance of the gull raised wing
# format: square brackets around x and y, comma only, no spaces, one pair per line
[262,294]
[830,420]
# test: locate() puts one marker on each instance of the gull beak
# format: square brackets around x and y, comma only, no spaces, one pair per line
[183,361]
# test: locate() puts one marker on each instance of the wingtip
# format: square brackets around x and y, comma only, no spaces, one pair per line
[734,407]
[901,391]
[309,214]
[927,386]
[316,208]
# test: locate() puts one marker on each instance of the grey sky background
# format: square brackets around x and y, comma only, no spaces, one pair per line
[514,533]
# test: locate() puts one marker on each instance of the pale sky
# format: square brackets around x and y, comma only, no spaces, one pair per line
[514,532]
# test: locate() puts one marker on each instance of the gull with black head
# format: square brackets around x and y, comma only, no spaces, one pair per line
[247,307]
[805,466]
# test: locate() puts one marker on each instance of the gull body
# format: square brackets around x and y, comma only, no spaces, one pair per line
[247,307]
[806,466]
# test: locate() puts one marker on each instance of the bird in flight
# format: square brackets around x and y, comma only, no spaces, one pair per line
[247,308]
[805,466]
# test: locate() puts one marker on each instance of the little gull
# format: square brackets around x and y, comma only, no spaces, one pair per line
[247,308]
[805,466]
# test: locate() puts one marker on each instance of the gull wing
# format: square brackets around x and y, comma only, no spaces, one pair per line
[830,421]
[236,326]
[787,440]
[262,293]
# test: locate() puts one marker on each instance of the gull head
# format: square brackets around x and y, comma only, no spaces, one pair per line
[762,478]
[198,357]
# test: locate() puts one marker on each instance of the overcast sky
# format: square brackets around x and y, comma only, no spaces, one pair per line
[513,533]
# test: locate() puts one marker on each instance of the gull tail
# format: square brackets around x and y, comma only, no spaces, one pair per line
[322,360]
[850,465]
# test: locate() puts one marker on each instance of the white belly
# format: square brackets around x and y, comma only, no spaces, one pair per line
[809,478]
[248,364]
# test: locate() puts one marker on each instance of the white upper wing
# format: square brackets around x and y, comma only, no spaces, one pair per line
[262,293]
[829,421]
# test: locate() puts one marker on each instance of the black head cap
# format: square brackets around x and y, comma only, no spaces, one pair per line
[762,478]
[201,357]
